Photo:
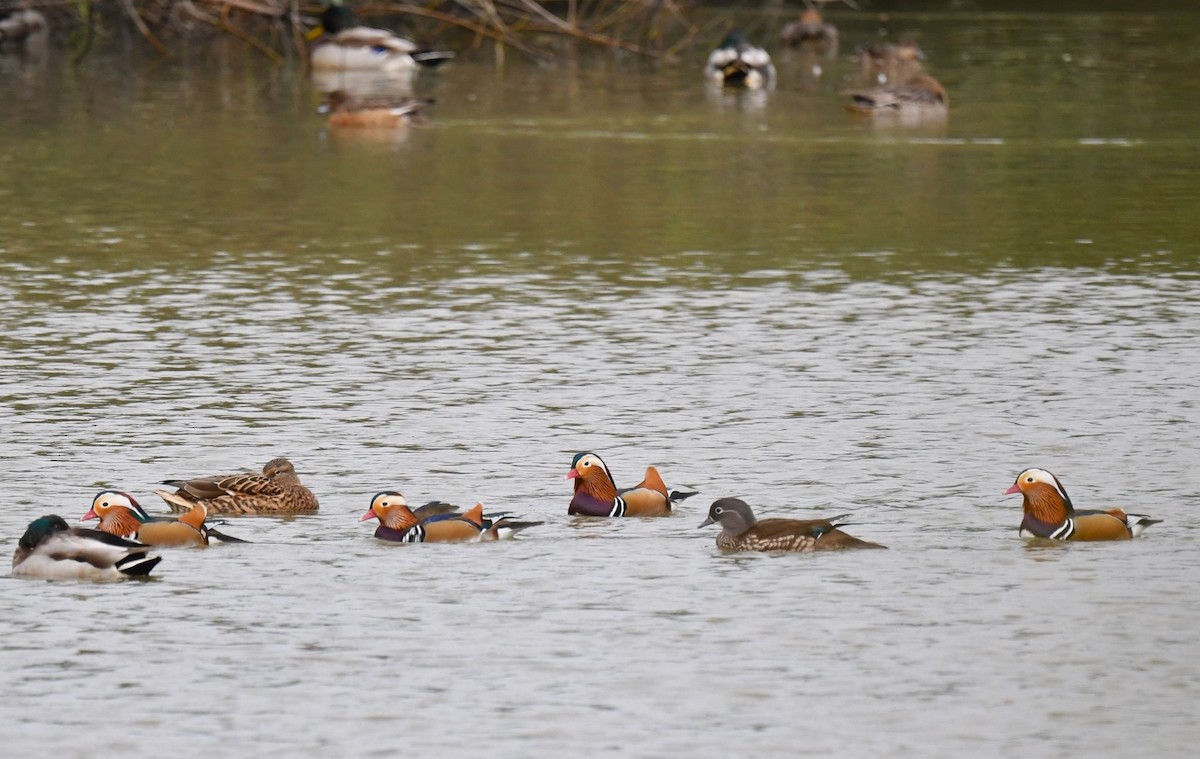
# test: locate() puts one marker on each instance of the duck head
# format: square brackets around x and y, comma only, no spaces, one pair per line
[111,503]
[734,515]
[591,474]
[1044,497]
[391,509]
[42,529]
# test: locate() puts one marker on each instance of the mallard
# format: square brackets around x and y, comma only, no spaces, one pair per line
[344,45]
[52,550]
[276,491]
[921,97]
[737,62]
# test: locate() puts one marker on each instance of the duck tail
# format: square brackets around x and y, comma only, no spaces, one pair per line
[432,58]
[176,503]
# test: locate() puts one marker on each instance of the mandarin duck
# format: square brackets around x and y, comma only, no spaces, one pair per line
[345,110]
[741,531]
[1050,514]
[276,491]
[121,515]
[736,62]
[340,44]
[884,61]
[432,523]
[921,97]
[52,550]
[596,494]
[810,29]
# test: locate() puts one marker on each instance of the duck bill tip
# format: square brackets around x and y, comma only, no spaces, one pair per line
[571,475]
[705,523]
[90,515]
[369,515]
[1014,489]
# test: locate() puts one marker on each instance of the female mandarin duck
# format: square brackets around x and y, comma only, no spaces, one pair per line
[52,550]
[810,29]
[345,110]
[921,97]
[1050,514]
[432,523]
[737,62]
[276,491]
[344,45]
[121,515]
[741,531]
[596,493]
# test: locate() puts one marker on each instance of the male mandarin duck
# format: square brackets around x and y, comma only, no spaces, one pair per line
[921,97]
[596,494]
[888,60]
[52,550]
[345,110]
[1050,514]
[810,29]
[737,62]
[121,515]
[344,45]
[741,531]
[432,523]
[276,491]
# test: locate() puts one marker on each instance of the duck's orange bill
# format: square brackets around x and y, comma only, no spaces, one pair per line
[572,474]
[1014,489]
[369,515]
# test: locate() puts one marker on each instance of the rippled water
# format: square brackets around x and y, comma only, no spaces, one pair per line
[775,302]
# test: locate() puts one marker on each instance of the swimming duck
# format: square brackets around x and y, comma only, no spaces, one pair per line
[1050,514]
[737,62]
[345,110]
[741,531]
[52,550]
[596,494]
[121,515]
[344,45]
[276,491]
[921,97]
[890,61]
[810,29]
[431,523]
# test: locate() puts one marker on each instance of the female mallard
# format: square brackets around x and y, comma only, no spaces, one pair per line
[276,491]
[52,550]
[921,97]
[344,45]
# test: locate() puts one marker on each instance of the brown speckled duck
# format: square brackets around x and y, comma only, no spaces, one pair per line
[596,494]
[1050,514]
[920,98]
[890,61]
[276,491]
[741,531]
[810,29]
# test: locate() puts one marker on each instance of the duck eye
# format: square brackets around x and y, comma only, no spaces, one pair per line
[1029,479]
[718,510]
[104,504]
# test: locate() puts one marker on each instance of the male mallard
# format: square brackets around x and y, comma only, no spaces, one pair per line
[52,550]
[276,491]
[737,62]
[596,494]
[344,45]
[1050,514]
[741,531]
[378,111]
